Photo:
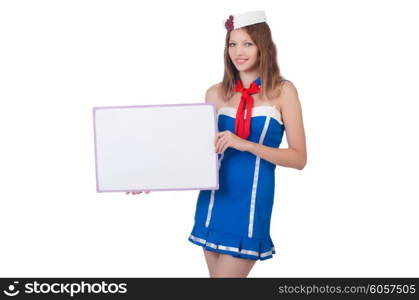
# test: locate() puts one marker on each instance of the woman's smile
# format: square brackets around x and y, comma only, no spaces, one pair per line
[241,61]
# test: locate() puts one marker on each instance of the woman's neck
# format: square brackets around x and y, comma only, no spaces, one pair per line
[248,77]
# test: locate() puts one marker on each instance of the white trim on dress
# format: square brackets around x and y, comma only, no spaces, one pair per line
[211,203]
[261,110]
[233,249]
[255,179]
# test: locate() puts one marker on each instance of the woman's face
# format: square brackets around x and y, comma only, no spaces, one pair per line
[240,47]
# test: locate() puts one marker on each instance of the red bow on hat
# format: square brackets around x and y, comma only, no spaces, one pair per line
[242,126]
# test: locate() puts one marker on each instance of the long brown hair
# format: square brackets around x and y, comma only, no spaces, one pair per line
[270,74]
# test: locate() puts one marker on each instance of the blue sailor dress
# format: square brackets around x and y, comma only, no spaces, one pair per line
[235,219]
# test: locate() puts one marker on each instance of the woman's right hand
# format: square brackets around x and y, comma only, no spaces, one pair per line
[136,192]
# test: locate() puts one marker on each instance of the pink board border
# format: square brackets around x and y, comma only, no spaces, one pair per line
[136,106]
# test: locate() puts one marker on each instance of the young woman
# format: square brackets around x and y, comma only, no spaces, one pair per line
[255,106]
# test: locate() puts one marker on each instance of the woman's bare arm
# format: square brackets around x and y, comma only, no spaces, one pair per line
[295,156]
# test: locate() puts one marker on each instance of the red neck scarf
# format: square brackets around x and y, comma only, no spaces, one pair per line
[242,126]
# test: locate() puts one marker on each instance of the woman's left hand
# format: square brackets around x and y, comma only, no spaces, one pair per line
[225,139]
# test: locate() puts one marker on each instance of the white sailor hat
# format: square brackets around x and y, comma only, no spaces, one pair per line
[244,19]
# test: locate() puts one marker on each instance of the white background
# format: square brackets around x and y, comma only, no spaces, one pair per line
[352,211]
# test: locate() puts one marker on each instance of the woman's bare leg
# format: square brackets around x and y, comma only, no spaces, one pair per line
[211,259]
[229,266]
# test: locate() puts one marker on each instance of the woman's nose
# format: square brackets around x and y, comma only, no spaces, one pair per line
[238,51]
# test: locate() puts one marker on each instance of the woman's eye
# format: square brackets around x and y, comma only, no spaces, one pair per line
[231,44]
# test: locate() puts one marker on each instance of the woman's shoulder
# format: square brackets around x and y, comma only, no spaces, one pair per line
[213,95]
[288,96]
[285,86]
[282,89]
[288,85]
[215,88]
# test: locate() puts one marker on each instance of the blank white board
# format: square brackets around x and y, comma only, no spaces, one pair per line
[155,147]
